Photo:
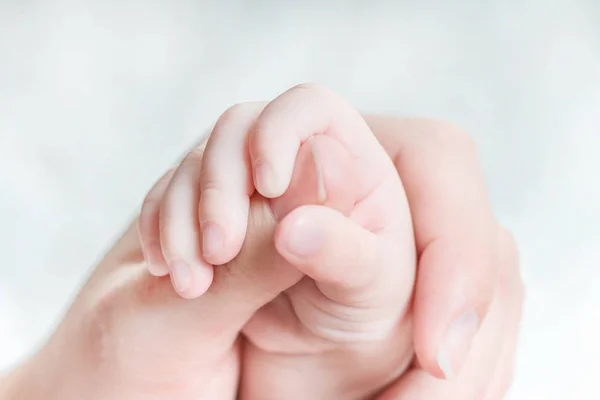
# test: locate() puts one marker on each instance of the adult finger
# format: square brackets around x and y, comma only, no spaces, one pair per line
[514,290]
[487,371]
[226,184]
[455,233]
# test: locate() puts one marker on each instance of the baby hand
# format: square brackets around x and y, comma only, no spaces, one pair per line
[341,328]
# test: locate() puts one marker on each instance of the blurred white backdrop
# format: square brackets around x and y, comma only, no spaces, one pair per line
[98,98]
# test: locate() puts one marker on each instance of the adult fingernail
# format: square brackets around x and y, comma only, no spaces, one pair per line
[265,179]
[212,239]
[457,343]
[181,276]
[305,238]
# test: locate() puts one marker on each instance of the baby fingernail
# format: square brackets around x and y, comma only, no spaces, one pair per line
[157,269]
[181,276]
[306,238]
[265,179]
[457,343]
[212,239]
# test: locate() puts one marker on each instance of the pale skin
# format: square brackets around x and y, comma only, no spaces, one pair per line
[349,310]
[130,335]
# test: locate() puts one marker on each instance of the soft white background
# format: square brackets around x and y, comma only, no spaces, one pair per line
[98,98]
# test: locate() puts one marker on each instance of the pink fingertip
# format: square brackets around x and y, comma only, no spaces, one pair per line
[266,180]
[200,281]
[157,270]
[181,276]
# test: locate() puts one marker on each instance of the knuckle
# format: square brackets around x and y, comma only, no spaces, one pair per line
[228,118]
[193,158]
[237,118]
[448,135]
[204,137]
[313,90]
[235,112]
[308,87]
[457,136]
[156,193]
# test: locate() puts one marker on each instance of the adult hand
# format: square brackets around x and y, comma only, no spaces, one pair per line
[127,330]
[469,293]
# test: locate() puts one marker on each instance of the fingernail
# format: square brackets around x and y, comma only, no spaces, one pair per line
[181,276]
[265,179]
[156,269]
[305,238]
[212,239]
[457,343]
